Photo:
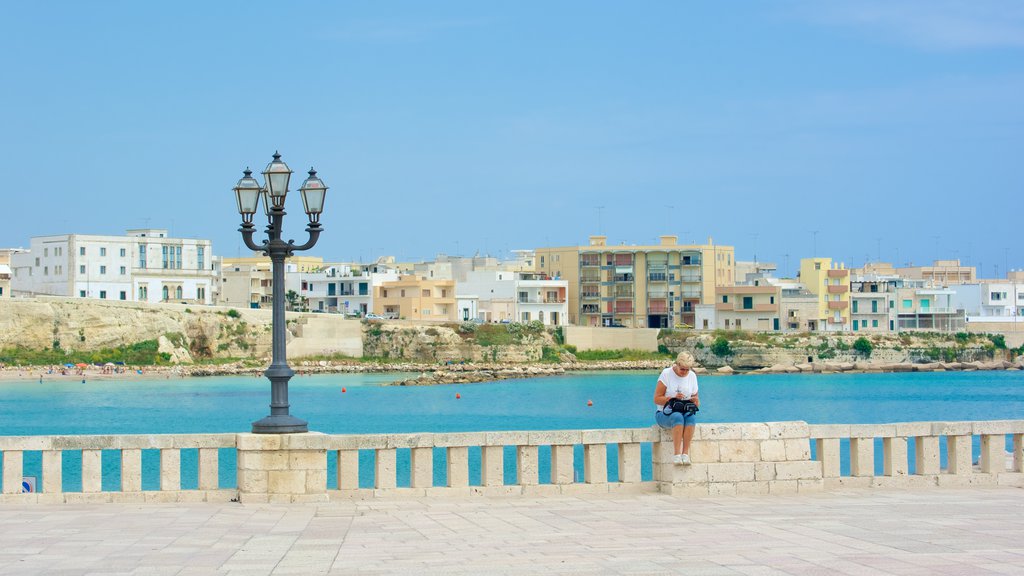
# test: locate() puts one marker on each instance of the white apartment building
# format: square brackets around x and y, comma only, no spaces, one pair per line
[340,288]
[513,296]
[990,301]
[145,265]
[5,281]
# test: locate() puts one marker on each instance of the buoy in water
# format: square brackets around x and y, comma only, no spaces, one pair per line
[590,402]
[457,395]
[342,389]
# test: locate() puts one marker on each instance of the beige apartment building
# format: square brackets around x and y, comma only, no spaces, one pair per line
[651,286]
[941,273]
[5,271]
[416,298]
[754,308]
[248,282]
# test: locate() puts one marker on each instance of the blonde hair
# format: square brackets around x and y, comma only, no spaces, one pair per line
[685,360]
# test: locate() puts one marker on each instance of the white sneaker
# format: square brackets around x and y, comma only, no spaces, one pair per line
[684,459]
[677,459]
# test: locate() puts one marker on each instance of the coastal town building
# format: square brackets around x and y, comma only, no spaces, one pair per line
[145,265]
[338,288]
[873,303]
[248,282]
[640,286]
[798,308]
[927,308]
[830,282]
[514,297]
[5,270]
[996,303]
[941,273]
[754,308]
[416,298]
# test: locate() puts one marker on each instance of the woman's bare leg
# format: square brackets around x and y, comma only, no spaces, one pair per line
[687,436]
[677,437]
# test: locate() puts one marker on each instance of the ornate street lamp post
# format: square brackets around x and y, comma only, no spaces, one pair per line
[248,193]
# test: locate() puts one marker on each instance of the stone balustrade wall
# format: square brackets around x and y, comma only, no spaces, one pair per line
[727,459]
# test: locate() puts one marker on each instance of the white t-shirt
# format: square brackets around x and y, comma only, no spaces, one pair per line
[675,384]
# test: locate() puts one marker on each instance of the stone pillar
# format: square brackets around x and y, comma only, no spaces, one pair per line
[1018,453]
[282,467]
[385,466]
[131,470]
[492,464]
[13,462]
[458,466]
[958,454]
[53,473]
[527,465]
[208,469]
[561,464]
[894,456]
[862,456]
[926,455]
[629,462]
[92,471]
[827,452]
[348,469]
[993,460]
[595,463]
[170,469]
[421,461]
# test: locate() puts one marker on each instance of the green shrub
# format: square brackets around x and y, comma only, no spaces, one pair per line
[962,337]
[548,354]
[720,347]
[662,349]
[998,340]
[431,332]
[569,348]
[234,313]
[558,335]
[624,354]
[863,346]
[698,346]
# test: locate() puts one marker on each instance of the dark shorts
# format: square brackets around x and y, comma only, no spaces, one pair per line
[674,419]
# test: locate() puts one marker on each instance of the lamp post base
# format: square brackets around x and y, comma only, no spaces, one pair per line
[280,424]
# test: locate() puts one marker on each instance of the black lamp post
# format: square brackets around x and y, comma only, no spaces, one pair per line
[248,193]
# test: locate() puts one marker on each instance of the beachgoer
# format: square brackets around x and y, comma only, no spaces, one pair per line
[678,381]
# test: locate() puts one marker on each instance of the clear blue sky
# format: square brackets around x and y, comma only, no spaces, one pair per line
[893,128]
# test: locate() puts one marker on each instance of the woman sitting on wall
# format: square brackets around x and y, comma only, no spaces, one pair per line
[677,386]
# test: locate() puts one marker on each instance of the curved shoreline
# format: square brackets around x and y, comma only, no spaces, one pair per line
[471,372]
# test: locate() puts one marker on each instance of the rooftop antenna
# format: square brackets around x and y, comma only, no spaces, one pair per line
[600,228]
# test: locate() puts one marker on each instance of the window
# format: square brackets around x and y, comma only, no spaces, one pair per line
[37,261]
[201,257]
[81,269]
[123,252]
[143,293]
[201,293]
[403,293]
[46,252]
[725,299]
[177,293]
[103,269]
[46,270]
[81,293]
[177,253]
[426,293]
[124,295]
[123,270]
[908,304]
[103,294]
[992,296]
[166,293]
[526,316]
[771,299]
[540,316]
[142,255]
[925,303]
[163,257]
[81,251]
[748,302]
[874,323]
[874,307]
[855,306]
[103,251]
[817,265]
[426,311]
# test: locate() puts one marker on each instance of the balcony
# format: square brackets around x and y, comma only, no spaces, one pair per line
[936,310]
[662,309]
[542,300]
[591,296]
[657,293]
[841,320]
[724,306]
[840,305]
[841,273]
[841,289]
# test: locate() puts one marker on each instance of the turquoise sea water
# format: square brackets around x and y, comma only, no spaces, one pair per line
[620,400]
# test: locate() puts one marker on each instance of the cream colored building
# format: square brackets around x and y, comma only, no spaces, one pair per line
[248,282]
[648,286]
[873,303]
[5,270]
[941,273]
[928,309]
[754,308]
[830,282]
[416,298]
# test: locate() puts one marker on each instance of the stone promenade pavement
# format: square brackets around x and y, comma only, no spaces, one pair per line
[941,531]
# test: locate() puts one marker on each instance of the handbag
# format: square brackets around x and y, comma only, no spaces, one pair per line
[677,405]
